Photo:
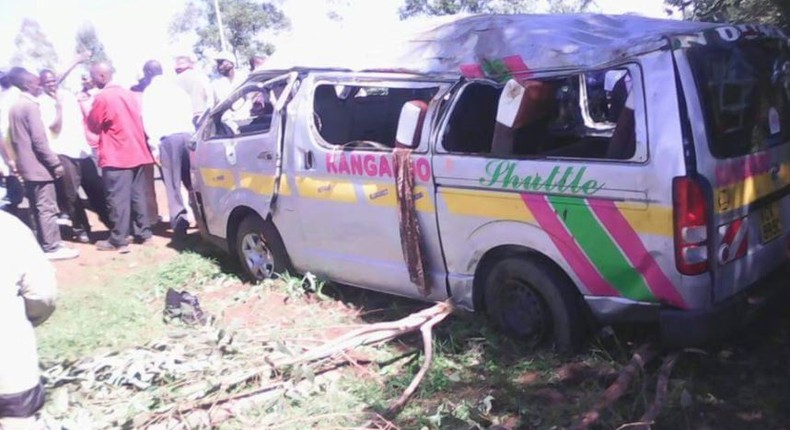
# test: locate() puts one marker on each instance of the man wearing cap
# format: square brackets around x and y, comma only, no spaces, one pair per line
[195,84]
[228,79]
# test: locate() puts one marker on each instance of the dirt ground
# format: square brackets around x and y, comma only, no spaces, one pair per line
[91,266]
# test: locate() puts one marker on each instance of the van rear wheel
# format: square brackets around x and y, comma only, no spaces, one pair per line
[535,304]
[259,249]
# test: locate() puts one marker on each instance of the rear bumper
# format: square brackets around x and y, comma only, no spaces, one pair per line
[682,328]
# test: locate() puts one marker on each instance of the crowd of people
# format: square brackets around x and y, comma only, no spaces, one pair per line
[106,140]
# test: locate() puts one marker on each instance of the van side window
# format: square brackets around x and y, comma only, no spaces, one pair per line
[589,115]
[362,116]
[471,126]
[249,112]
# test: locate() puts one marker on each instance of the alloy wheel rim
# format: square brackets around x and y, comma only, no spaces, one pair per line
[257,256]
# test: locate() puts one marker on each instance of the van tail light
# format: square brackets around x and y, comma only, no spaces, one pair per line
[691,227]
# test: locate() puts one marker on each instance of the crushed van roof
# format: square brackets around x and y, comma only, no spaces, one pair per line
[537,42]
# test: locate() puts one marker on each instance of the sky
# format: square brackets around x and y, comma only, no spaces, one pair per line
[134,31]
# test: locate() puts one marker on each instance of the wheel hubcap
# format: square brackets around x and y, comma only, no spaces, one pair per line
[525,312]
[257,256]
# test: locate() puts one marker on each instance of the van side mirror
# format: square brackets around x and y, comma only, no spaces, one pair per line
[412,115]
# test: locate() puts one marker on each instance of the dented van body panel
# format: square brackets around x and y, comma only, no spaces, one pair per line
[583,170]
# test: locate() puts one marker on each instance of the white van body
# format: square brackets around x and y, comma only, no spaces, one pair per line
[544,169]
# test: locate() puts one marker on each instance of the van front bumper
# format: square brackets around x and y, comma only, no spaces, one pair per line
[684,328]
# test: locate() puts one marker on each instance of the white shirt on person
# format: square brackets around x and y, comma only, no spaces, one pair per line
[70,141]
[27,298]
[166,110]
[223,86]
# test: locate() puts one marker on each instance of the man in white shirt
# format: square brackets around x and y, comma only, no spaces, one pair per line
[228,80]
[64,121]
[27,298]
[195,84]
[167,118]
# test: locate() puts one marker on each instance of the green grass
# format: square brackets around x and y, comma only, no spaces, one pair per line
[125,312]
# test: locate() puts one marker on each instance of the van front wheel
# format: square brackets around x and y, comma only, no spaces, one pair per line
[533,303]
[259,249]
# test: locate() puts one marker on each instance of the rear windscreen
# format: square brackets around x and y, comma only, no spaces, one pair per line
[744,88]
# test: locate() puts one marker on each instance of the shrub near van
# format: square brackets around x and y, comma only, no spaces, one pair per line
[551,171]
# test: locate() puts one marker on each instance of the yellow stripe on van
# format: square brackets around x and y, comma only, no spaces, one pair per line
[656,220]
[746,192]
[486,204]
[218,178]
[380,195]
[285,187]
[423,200]
[326,190]
[261,184]
[386,195]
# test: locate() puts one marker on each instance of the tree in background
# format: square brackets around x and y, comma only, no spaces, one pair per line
[244,22]
[451,7]
[763,11]
[88,41]
[33,49]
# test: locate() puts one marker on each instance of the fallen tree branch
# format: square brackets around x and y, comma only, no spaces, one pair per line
[424,321]
[662,385]
[427,343]
[373,334]
[643,355]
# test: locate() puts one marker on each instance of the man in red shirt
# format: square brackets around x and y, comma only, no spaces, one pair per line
[123,156]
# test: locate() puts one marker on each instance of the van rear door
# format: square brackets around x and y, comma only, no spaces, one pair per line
[741,78]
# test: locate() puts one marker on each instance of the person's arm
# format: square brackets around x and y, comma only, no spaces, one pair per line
[38,138]
[81,58]
[96,115]
[6,159]
[38,285]
[57,123]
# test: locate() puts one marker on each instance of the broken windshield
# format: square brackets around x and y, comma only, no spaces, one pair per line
[744,89]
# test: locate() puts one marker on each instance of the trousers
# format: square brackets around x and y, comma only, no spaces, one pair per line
[128,200]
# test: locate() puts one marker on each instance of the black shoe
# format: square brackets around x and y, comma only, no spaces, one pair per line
[144,240]
[106,245]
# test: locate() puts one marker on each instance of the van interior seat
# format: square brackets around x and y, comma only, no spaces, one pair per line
[333,124]
[622,146]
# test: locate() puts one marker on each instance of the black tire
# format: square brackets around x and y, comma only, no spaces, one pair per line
[535,303]
[254,233]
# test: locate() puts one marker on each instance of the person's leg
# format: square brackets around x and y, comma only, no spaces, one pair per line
[70,184]
[150,194]
[95,190]
[139,196]
[17,411]
[171,155]
[119,190]
[43,201]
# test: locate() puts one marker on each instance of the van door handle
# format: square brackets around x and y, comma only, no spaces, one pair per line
[309,160]
[266,155]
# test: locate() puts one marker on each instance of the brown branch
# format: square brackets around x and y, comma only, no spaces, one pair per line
[424,321]
[661,392]
[372,334]
[427,343]
[643,355]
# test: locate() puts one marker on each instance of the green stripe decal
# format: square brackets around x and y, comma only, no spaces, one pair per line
[600,248]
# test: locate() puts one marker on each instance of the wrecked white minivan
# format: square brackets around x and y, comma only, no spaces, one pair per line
[552,171]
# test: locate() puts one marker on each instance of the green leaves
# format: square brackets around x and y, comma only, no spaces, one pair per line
[246,23]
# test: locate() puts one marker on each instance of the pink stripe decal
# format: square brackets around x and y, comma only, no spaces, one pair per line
[629,242]
[550,223]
